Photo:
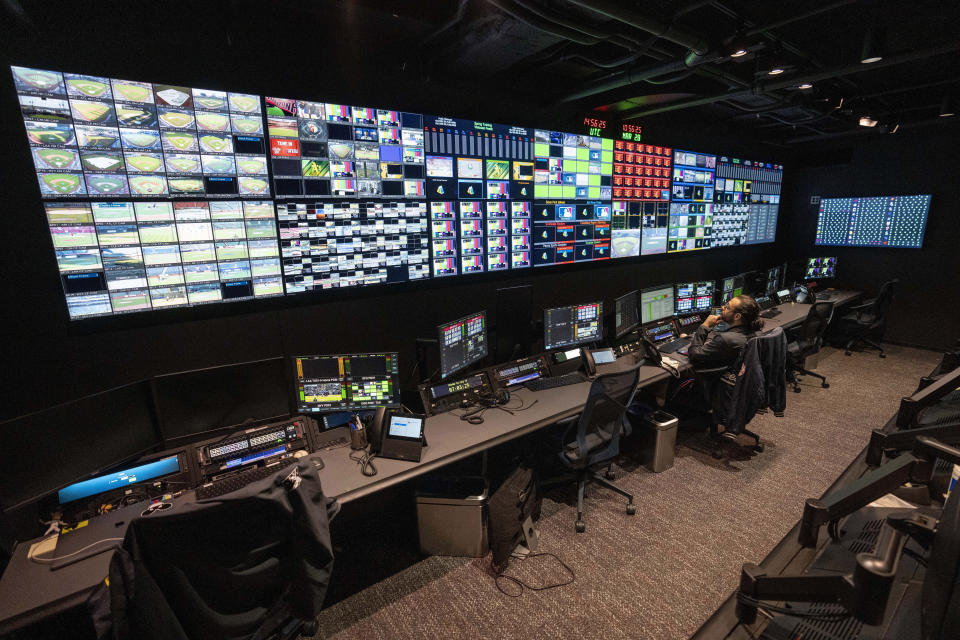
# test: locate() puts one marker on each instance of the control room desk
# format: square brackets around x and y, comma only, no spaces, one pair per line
[30,591]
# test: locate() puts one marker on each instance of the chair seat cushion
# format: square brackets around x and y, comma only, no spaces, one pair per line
[594,441]
[865,318]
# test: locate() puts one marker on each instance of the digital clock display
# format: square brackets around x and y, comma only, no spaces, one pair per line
[631,132]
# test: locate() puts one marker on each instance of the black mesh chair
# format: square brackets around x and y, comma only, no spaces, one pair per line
[807,341]
[717,391]
[593,439]
[866,323]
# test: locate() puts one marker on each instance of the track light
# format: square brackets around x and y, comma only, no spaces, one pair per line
[894,128]
[867,121]
[738,46]
[947,107]
[872,45]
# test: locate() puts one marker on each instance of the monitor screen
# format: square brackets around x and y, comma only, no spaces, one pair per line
[347,381]
[626,314]
[462,342]
[747,201]
[820,268]
[90,434]
[118,479]
[732,287]
[693,297]
[192,405]
[656,303]
[773,280]
[883,221]
[576,324]
[691,201]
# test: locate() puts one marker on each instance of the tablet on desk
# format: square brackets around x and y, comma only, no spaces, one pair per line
[603,356]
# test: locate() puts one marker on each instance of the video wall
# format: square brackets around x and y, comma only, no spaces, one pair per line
[157,195]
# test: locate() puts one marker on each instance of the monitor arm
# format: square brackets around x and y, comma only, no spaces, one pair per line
[881,441]
[916,466]
[864,593]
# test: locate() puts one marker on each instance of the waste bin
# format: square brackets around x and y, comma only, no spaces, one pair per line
[658,434]
[452,516]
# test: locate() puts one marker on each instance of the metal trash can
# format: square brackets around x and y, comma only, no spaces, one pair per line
[658,433]
[452,516]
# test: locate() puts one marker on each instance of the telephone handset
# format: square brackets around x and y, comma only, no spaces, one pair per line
[650,351]
[589,365]
[375,435]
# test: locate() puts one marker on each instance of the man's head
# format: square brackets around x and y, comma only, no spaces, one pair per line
[742,310]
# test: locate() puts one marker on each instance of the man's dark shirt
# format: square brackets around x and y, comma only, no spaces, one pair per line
[710,349]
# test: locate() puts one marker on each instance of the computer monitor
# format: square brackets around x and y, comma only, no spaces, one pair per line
[347,381]
[45,451]
[820,268]
[656,303]
[773,280]
[197,404]
[626,314]
[693,297]
[576,324]
[124,477]
[731,287]
[462,342]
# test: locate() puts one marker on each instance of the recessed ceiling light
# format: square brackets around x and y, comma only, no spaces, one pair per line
[872,45]
[775,71]
[946,107]
[867,121]
[805,85]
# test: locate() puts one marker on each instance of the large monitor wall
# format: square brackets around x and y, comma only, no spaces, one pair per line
[157,195]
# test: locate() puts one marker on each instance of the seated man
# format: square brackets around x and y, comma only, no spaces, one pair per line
[713,347]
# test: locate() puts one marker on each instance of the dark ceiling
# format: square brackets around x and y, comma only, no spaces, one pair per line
[634,60]
[535,62]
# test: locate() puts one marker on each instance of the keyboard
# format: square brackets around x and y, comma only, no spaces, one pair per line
[334,444]
[240,480]
[552,383]
[673,347]
[770,313]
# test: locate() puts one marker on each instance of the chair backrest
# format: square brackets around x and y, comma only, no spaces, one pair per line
[882,302]
[815,324]
[233,567]
[605,413]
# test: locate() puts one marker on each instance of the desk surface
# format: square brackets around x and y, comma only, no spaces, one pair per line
[30,591]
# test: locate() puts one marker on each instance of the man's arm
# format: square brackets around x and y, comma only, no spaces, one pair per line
[708,349]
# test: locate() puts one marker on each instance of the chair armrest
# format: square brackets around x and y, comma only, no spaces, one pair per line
[863,305]
[711,371]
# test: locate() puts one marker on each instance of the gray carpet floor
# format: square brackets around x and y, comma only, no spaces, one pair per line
[661,573]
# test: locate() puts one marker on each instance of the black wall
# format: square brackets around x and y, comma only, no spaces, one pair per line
[912,161]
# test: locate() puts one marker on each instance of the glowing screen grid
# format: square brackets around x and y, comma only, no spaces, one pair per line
[884,221]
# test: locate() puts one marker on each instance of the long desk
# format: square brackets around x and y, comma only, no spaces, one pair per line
[30,591]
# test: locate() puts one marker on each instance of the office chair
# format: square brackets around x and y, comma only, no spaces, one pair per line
[734,405]
[254,563]
[867,322]
[807,341]
[593,439]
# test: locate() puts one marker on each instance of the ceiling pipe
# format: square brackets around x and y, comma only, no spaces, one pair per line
[454,21]
[523,15]
[797,18]
[619,11]
[632,76]
[813,77]
[862,131]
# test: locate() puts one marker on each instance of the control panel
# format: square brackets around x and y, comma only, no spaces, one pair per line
[519,371]
[442,397]
[243,449]
[689,324]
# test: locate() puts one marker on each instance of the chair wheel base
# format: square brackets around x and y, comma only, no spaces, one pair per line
[716,453]
[580,527]
[796,389]
[825,385]
[631,510]
[759,447]
[610,475]
[883,355]
[846,353]
[309,628]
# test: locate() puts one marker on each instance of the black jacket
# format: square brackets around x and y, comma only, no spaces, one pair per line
[233,567]
[710,349]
